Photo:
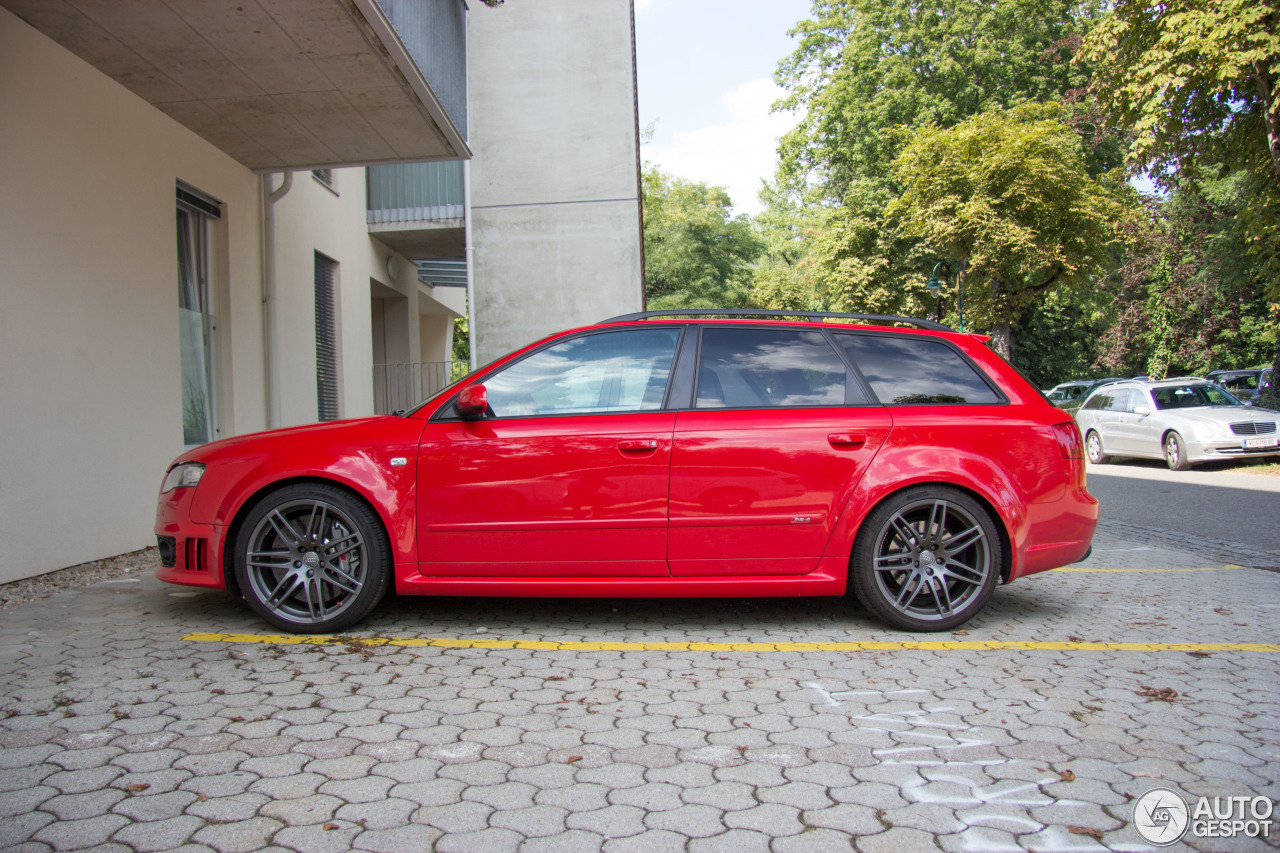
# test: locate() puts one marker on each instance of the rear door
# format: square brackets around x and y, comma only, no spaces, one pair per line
[767,452]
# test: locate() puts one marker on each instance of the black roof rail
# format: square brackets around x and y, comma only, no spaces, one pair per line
[812,316]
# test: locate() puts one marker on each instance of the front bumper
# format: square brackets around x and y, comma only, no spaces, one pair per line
[1205,451]
[190,553]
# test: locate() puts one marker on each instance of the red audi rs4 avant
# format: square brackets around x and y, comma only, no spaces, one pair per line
[656,455]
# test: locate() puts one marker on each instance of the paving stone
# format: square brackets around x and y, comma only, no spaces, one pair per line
[382,814]
[693,821]
[733,841]
[481,841]
[67,807]
[609,822]
[239,836]
[329,837]
[155,836]
[303,810]
[80,834]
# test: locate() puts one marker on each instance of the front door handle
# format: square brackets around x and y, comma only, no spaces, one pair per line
[638,445]
[847,440]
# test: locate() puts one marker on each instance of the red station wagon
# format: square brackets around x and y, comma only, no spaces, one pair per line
[656,455]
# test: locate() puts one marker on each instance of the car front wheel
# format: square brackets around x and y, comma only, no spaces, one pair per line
[928,559]
[311,558]
[1175,452]
[1093,447]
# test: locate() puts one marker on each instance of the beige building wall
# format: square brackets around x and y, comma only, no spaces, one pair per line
[555,192]
[89,374]
[90,388]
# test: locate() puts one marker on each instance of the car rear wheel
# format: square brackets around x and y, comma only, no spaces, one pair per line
[928,559]
[311,558]
[1093,447]
[1175,452]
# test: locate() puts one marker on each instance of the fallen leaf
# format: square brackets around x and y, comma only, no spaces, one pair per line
[572,758]
[1164,694]
[137,786]
[1095,834]
[328,827]
[1073,638]
[1200,654]
[1067,775]
[1147,775]
[961,631]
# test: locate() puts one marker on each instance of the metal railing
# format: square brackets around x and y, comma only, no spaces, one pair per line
[402,386]
[415,192]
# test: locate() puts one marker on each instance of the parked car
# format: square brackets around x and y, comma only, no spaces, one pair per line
[1183,421]
[656,455]
[1244,385]
[1069,395]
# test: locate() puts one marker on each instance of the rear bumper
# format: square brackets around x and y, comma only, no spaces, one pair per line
[1056,534]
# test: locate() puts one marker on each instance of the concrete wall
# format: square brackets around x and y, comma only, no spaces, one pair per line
[554,183]
[90,385]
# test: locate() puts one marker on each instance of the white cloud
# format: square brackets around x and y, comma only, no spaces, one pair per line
[736,154]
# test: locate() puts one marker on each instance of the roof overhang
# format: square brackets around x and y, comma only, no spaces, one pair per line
[276,84]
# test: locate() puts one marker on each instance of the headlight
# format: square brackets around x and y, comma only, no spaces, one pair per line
[182,476]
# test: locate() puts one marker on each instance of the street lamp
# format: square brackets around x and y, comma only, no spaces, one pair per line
[935,285]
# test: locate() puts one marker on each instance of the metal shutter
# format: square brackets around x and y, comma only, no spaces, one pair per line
[326,339]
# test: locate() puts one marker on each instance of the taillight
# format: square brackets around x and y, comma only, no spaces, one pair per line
[1069,442]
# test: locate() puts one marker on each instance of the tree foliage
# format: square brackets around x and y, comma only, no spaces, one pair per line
[1189,299]
[1006,195]
[697,254]
[865,67]
[1195,82]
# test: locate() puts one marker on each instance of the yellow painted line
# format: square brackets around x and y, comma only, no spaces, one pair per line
[852,646]
[1209,569]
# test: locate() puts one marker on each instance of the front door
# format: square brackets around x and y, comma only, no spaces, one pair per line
[565,476]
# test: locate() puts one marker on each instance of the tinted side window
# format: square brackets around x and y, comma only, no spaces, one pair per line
[622,371]
[907,370]
[1120,400]
[749,368]
[1098,401]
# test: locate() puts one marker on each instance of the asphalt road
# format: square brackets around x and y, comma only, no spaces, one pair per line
[1211,504]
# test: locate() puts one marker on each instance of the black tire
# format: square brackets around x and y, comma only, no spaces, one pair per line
[927,559]
[311,558]
[1175,452]
[1093,448]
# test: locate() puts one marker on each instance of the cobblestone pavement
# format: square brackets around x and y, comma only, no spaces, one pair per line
[130,721]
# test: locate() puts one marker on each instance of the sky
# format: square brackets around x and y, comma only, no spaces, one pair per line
[705,78]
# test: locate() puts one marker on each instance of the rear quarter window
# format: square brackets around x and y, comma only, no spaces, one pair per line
[916,371]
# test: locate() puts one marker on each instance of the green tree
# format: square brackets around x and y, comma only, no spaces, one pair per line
[865,67]
[697,254]
[1007,196]
[1190,300]
[1195,80]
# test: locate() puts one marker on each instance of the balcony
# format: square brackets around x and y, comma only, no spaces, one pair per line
[417,209]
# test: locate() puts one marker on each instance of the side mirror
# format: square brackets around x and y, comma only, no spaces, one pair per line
[1141,411]
[472,401]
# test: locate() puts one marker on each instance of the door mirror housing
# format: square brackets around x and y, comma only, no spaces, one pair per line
[1141,411]
[472,402]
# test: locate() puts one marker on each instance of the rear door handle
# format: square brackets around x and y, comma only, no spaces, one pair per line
[638,445]
[847,440]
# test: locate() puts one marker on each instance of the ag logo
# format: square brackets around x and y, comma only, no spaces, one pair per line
[1161,816]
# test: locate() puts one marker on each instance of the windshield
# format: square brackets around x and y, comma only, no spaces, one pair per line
[1191,396]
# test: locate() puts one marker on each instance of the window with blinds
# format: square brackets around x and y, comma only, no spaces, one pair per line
[326,338]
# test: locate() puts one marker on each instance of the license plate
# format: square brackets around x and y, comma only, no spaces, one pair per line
[1270,441]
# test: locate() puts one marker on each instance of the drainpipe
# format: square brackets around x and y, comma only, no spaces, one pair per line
[471,281]
[270,346]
